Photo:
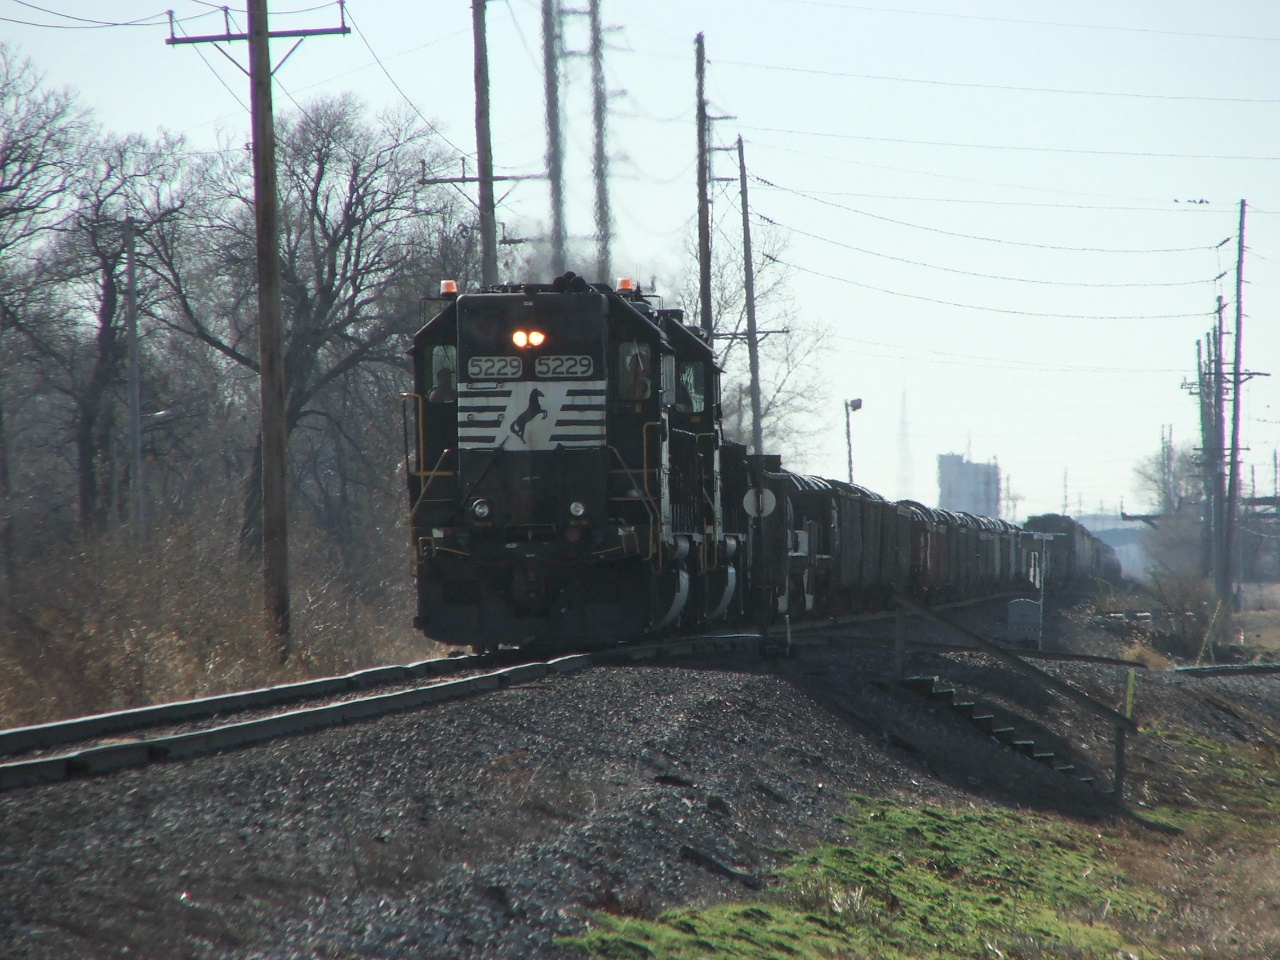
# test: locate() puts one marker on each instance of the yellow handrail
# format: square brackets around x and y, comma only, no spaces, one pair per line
[648,500]
[413,513]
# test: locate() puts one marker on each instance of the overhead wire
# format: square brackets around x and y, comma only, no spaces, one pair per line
[1176,206]
[1005,363]
[433,127]
[982,307]
[1080,151]
[1033,23]
[969,236]
[87,23]
[927,173]
[1011,88]
[217,76]
[972,273]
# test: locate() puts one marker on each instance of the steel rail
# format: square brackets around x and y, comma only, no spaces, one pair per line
[1227,669]
[108,757]
[46,735]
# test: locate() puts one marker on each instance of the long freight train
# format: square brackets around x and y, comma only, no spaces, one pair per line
[569,483]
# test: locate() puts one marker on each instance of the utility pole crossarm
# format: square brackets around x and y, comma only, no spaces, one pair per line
[274,35]
[227,36]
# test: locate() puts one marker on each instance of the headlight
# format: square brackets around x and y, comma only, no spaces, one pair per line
[577,509]
[481,509]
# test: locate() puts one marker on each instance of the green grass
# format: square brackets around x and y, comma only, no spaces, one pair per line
[1222,785]
[913,882]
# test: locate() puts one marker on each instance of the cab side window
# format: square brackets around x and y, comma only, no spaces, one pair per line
[444,374]
[635,372]
[691,387]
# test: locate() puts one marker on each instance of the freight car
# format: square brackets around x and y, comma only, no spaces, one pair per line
[569,484]
[1075,557]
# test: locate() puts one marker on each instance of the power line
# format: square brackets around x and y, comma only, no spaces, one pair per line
[1006,362]
[1035,23]
[1001,146]
[1009,88]
[969,236]
[971,273]
[86,23]
[217,76]
[1175,207]
[413,106]
[983,308]
[928,173]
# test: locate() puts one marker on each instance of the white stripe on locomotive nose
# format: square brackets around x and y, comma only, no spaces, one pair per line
[533,415]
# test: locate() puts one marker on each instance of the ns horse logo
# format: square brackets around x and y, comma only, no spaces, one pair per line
[531,412]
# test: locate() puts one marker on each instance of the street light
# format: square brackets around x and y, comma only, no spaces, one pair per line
[850,407]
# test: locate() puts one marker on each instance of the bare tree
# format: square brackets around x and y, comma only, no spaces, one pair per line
[40,132]
[79,332]
[792,390]
[1171,479]
[360,235]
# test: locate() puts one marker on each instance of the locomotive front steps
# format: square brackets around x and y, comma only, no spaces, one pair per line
[977,714]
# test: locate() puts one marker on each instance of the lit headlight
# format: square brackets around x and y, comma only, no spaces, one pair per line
[481,509]
[577,509]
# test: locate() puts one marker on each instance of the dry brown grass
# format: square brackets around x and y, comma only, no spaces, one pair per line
[1142,652]
[1258,631]
[1223,892]
[115,625]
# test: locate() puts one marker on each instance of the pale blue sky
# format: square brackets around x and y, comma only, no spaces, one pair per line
[967,187]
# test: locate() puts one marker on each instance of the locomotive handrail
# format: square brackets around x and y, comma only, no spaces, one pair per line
[404,433]
[647,500]
[413,513]
[653,527]
[422,496]
[420,416]
[716,527]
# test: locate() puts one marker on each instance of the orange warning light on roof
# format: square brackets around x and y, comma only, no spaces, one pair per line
[448,288]
[626,285]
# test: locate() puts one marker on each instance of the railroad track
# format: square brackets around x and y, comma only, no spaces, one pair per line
[98,744]
[88,746]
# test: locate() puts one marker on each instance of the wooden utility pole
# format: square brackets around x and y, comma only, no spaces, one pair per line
[484,150]
[704,200]
[753,344]
[1202,393]
[1233,478]
[137,489]
[555,136]
[600,153]
[1217,377]
[275,525]
[8,566]
[271,374]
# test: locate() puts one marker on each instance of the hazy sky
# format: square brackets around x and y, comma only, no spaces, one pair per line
[989,203]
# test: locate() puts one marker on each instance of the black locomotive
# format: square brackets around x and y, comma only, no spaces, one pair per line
[569,484]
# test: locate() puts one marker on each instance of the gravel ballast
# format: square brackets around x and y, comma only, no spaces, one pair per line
[489,827]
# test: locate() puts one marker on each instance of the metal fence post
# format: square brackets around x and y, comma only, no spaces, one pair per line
[1118,789]
[899,646]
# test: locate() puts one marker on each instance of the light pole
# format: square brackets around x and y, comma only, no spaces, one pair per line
[850,407]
